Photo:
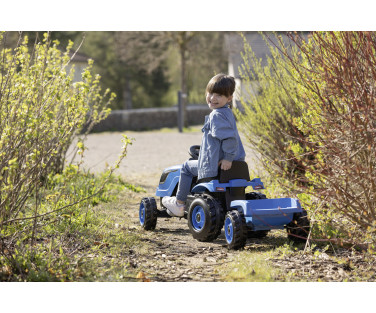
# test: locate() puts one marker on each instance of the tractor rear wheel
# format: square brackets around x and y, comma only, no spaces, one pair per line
[205,218]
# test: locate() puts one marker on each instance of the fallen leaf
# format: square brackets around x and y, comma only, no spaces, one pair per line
[142,276]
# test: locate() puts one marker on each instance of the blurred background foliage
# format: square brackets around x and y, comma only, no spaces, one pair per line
[144,68]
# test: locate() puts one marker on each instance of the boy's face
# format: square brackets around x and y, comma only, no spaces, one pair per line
[216,101]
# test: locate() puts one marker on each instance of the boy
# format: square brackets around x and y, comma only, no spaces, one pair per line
[220,144]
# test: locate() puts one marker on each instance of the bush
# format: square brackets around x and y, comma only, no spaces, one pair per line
[41,112]
[313,122]
[337,80]
[268,113]
[69,229]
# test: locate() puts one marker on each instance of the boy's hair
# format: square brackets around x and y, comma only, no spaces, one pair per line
[221,84]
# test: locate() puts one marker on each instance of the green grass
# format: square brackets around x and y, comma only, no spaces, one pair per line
[277,260]
[251,267]
[252,264]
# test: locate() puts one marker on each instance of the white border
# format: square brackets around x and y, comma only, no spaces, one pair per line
[220,15]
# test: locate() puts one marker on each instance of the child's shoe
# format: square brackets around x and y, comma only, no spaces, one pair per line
[173,207]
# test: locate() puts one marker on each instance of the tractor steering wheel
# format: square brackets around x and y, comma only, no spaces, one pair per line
[194,152]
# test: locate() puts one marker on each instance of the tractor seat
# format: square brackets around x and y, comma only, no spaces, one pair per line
[238,170]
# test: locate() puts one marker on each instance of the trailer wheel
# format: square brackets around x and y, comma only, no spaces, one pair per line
[298,229]
[148,213]
[235,230]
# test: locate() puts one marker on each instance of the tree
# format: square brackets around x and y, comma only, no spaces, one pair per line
[199,55]
[143,54]
[148,50]
[145,69]
[182,39]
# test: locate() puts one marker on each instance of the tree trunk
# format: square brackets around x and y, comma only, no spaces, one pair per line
[127,94]
[184,86]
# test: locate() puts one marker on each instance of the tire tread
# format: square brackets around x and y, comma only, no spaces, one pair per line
[239,230]
[216,217]
[150,213]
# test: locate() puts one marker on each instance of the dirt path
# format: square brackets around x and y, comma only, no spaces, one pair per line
[173,255]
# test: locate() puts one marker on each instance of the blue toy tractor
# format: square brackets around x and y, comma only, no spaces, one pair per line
[221,201]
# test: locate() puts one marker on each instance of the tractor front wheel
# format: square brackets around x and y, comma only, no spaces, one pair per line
[148,213]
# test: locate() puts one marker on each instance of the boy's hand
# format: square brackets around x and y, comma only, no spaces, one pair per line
[224,164]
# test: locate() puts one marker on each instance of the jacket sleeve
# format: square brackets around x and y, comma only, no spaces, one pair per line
[222,129]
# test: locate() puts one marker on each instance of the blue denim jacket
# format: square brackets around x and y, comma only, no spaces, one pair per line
[220,140]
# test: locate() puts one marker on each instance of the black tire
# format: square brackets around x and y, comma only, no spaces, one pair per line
[298,229]
[148,213]
[235,230]
[205,218]
[255,196]
[257,233]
